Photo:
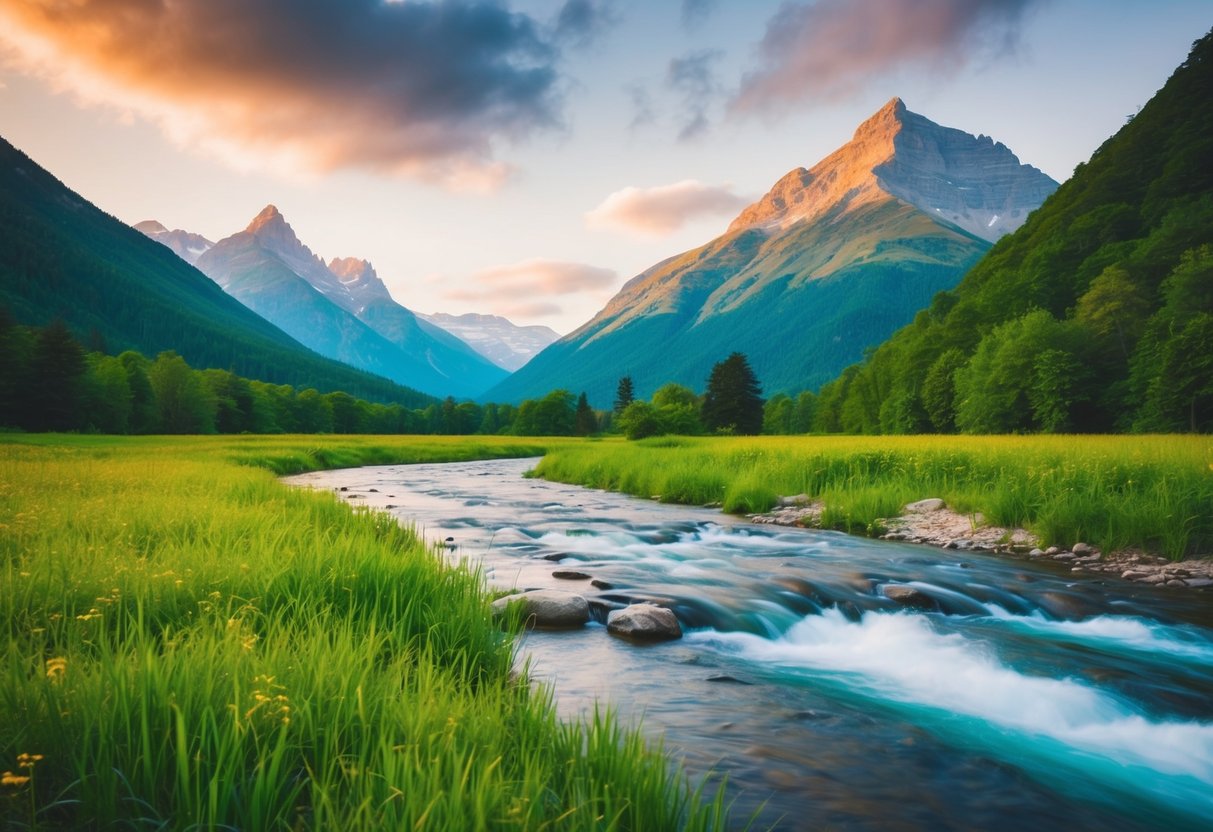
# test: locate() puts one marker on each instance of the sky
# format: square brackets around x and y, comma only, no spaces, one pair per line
[527,157]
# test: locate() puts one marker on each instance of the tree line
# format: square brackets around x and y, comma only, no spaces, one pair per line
[49,381]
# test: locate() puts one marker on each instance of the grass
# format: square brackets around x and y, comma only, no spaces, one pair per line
[1116,492]
[191,644]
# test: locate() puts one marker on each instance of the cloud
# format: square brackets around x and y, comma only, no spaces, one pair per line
[579,22]
[424,89]
[526,289]
[696,12]
[832,48]
[694,79]
[660,211]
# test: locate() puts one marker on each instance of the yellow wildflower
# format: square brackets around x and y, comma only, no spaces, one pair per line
[56,668]
[10,779]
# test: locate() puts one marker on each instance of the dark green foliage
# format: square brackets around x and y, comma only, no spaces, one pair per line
[639,420]
[624,394]
[1089,318]
[584,421]
[733,402]
[57,378]
[62,258]
[778,415]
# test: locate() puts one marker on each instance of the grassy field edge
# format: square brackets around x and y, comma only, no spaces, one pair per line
[193,644]
[1116,492]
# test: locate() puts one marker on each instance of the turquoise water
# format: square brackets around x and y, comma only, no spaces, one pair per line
[1020,699]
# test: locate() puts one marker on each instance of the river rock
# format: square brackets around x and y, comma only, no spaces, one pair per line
[1035,553]
[548,609]
[924,506]
[1082,549]
[793,501]
[1134,574]
[1198,582]
[570,575]
[908,596]
[644,622]
[1052,550]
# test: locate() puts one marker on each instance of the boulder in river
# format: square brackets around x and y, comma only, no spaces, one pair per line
[548,609]
[644,622]
[908,596]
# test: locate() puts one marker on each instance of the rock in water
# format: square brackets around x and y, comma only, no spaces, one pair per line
[908,596]
[548,609]
[644,622]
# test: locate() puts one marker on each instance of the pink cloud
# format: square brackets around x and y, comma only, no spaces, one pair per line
[664,209]
[832,48]
[424,89]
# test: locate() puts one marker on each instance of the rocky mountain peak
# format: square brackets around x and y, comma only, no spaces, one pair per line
[359,279]
[270,216]
[968,181]
[150,227]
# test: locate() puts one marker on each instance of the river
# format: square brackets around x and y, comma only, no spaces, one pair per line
[1022,699]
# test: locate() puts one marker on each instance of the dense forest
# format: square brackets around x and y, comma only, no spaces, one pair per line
[1097,315]
[50,382]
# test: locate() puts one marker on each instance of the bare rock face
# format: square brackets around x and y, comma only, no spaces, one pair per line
[359,279]
[969,181]
[189,247]
[644,622]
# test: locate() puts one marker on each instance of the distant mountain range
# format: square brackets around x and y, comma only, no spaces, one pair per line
[828,263]
[62,257]
[341,309]
[501,341]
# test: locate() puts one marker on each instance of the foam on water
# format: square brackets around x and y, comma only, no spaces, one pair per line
[1115,632]
[899,658]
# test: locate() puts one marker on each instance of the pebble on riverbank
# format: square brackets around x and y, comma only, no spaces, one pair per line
[931,522]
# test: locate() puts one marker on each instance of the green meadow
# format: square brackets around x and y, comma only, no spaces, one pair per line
[193,645]
[1152,492]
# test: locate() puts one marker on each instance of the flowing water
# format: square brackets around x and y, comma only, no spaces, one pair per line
[1020,699]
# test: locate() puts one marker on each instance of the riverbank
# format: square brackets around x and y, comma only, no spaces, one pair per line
[192,643]
[1129,495]
[931,523]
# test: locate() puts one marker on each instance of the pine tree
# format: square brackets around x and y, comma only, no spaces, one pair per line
[584,422]
[624,394]
[733,403]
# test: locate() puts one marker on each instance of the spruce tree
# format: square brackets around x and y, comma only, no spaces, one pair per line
[624,394]
[733,403]
[584,422]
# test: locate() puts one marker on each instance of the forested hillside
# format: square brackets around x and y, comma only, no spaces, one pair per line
[63,258]
[1097,315]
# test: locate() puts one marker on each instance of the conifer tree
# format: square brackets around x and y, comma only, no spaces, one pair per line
[733,403]
[624,394]
[584,422]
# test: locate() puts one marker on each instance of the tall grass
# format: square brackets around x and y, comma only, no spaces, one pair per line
[191,644]
[1153,492]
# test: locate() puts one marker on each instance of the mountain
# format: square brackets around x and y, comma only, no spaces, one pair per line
[1096,315]
[828,263]
[62,257]
[189,247]
[342,310]
[498,339]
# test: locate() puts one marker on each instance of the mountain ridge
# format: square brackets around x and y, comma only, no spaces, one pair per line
[346,314]
[828,257]
[63,257]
